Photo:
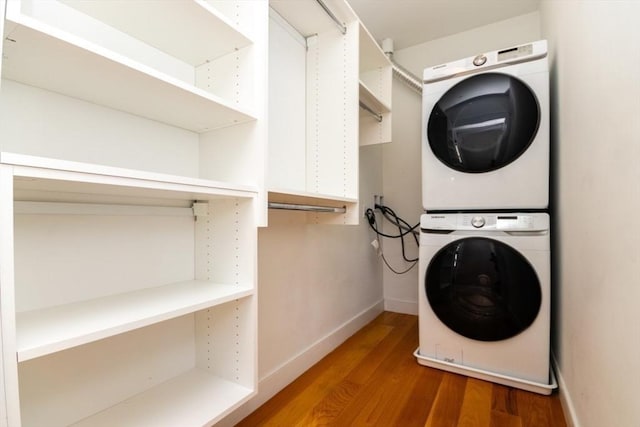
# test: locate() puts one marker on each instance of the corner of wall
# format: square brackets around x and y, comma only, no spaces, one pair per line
[565,396]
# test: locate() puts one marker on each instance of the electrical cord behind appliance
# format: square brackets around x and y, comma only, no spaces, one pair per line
[404,229]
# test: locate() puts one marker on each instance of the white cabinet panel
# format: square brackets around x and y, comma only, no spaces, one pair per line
[287,106]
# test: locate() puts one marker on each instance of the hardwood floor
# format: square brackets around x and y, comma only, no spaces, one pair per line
[373,380]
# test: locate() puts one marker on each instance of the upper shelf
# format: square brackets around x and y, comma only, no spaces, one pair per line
[308,17]
[178,28]
[375,74]
[371,55]
[40,178]
[94,61]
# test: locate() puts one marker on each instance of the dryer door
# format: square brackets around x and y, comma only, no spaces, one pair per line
[483,289]
[483,123]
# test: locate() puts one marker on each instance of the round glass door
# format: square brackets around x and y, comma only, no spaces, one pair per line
[483,289]
[483,123]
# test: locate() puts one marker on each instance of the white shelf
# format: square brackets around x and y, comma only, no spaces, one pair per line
[79,67]
[42,177]
[195,398]
[372,62]
[372,101]
[371,55]
[304,197]
[350,216]
[159,22]
[375,75]
[306,16]
[45,331]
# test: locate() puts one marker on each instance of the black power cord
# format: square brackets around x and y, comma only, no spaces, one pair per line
[404,229]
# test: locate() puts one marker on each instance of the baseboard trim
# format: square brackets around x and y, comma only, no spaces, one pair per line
[401,306]
[565,396]
[284,374]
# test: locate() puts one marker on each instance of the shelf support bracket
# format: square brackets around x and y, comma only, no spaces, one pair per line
[200,209]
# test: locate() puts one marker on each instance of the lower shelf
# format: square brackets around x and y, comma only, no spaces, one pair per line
[195,398]
[49,330]
[348,207]
[189,371]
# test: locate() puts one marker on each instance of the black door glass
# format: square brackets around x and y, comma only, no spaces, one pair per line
[483,289]
[483,123]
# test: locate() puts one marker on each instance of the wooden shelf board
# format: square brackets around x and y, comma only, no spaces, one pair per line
[46,331]
[194,398]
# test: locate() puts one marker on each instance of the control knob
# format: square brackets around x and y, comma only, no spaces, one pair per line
[479,60]
[477,221]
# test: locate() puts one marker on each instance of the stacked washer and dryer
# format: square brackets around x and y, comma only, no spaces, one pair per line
[484,288]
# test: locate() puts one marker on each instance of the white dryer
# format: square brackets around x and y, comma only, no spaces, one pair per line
[485,133]
[484,297]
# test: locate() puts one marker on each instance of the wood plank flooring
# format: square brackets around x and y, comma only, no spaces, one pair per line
[373,380]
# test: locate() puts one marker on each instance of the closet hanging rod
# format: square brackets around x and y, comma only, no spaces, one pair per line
[307,208]
[99,209]
[365,107]
[343,28]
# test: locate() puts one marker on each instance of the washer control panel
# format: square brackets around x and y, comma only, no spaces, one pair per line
[486,221]
[514,222]
[507,222]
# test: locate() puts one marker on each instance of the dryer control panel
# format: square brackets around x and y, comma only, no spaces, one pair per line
[486,221]
[486,61]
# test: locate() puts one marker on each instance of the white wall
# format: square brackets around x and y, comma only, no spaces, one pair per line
[401,158]
[313,278]
[318,284]
[595,92]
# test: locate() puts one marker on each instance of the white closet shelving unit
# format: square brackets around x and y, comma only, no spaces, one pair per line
[132,147]
[330,90]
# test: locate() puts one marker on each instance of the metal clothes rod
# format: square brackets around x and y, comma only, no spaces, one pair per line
[375,114]
[308,208]
[343,28]
[74,208]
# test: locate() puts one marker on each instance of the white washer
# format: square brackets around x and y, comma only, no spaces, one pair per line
[484,297]
[485,133]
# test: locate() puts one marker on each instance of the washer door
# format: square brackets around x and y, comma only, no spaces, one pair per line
[483,123]
[483,289]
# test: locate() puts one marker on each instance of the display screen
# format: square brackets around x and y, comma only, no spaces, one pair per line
[515,52]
